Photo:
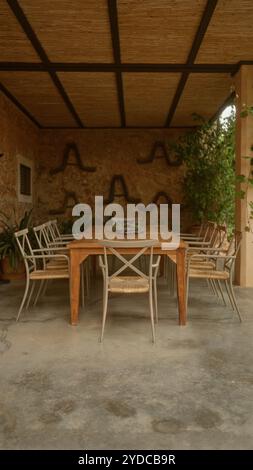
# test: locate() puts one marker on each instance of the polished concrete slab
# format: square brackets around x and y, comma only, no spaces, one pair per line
[60,388]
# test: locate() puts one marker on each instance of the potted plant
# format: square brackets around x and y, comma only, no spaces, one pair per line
[12,266]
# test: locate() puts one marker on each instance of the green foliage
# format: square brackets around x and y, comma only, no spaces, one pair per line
[248,180]
[209,182]
[8,244]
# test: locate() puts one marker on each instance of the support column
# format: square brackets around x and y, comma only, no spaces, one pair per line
[244,142]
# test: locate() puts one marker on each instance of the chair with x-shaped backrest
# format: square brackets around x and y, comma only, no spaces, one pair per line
[138,283]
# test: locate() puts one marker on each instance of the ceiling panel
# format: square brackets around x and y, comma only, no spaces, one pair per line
[14,45]
[148,97]
[94,96]
[229,38]
[36,92]
[158,31]
[71,31]
[203,94]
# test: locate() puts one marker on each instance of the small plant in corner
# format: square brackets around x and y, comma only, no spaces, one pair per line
[11,261]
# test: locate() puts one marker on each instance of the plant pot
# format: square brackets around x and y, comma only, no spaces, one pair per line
[9,273]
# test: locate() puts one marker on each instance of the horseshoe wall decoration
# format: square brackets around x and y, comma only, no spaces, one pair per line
[162,195]
[69,195]
[120,181]
[65,161]
[158,151]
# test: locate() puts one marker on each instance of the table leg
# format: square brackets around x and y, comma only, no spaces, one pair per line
[74,285]
[181,285]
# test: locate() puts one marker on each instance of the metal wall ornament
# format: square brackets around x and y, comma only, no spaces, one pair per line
[162,198]
[119,180]
[72,147]
[159,151]
[69,196]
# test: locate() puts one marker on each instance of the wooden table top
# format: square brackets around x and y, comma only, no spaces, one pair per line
[94,246]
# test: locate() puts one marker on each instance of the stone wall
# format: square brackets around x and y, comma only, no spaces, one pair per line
[18,137]
[111,152]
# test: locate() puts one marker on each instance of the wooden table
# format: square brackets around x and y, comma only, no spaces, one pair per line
[80,250]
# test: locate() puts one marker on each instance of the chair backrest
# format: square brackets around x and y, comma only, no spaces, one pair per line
[112,247]
[233,249]
[54,228]
[40,236]
[222,235]
[202,230]
[25,249]
[218,236]
[210,232]
[49,232]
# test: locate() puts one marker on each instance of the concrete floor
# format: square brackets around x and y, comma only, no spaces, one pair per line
[60,388]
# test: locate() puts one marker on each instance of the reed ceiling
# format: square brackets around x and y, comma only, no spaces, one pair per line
[124,63]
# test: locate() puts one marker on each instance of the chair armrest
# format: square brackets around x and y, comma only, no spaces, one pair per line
[41,250]
[58,243]
[65,237]
[212,256]
[156,264]
[192,237]
[49,256]
[198,243]
[222,250]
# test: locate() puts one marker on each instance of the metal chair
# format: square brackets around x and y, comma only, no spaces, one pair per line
[36,261]
[222,271]
[41,235]
[55,239]
[56,232]
[140,283]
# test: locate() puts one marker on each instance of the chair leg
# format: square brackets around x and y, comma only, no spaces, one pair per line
[221,292]
[214,288]
[38,293]
[229,295]
[24,298]
[210,285]
[30,296]
[152,314]
[234,299]
[105,303]
[155,301]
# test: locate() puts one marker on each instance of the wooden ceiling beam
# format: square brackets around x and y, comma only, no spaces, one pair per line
[113,16]
[14,100]
[205,20]
[103,67]
[27,28]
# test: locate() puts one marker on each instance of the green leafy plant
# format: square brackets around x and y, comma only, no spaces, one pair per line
[209,183]
[8,244]
[247,180]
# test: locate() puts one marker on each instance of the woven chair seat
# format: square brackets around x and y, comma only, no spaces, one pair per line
[50,274]
[57,264]
[195,264]
[128,284]
[208,274]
